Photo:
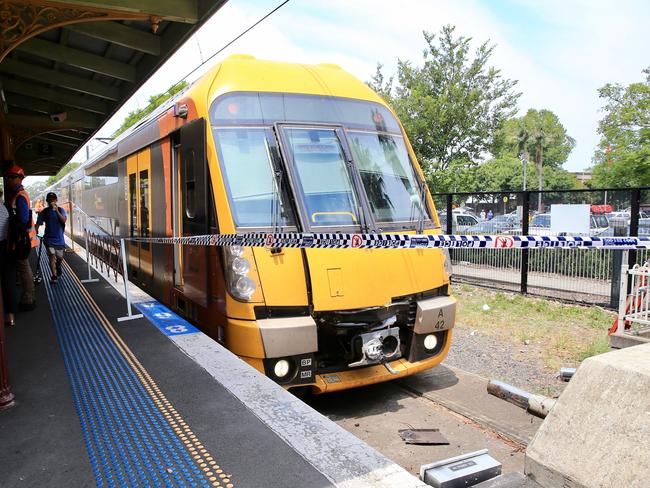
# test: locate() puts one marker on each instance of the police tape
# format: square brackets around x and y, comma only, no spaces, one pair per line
[402,241]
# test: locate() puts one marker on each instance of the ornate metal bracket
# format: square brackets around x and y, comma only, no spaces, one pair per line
[21,20]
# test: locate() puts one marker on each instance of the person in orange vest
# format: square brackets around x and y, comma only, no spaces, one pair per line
[18,200]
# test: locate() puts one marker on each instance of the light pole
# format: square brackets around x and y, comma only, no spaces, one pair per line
[524,159]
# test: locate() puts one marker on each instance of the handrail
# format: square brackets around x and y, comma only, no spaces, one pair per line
[77,208]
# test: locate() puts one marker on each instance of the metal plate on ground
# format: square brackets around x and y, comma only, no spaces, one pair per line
[423,436]
[461,471]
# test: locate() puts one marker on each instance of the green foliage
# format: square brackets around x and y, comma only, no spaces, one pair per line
[154,102]
[381,87]
[459,176]
[623,155]
[36,188]
[451,107]
[504,173]
[539,136]
[68,168]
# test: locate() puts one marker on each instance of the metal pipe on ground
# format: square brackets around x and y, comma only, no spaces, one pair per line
[537,405]
[567,373]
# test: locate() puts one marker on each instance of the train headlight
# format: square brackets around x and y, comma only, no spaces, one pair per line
[236,251]
[240,285]
[241,265]
[244,287]
[430,342]
[281,368]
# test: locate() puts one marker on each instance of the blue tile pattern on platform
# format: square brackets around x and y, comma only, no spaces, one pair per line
[129,441]
[167,321]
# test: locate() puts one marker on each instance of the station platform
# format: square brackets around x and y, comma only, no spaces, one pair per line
[122,404]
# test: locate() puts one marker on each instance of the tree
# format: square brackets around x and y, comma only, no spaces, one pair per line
[505,173]
[154,102]
[36,188]
[539,134]
[451,107]
[623,155]
[68,168]
[381,87]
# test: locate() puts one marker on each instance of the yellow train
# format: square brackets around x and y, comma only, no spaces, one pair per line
[276,147]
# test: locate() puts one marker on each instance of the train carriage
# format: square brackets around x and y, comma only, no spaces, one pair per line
[276,147]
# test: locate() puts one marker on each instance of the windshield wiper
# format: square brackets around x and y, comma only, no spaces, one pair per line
[419,228]
[276,206]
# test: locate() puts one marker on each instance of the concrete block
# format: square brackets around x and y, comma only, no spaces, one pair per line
[620,341]
[598,433]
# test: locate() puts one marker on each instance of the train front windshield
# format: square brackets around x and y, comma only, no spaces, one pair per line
[345,162]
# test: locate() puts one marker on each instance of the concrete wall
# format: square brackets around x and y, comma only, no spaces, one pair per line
[598,433]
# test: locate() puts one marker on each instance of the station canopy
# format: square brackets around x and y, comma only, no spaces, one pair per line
[66,67]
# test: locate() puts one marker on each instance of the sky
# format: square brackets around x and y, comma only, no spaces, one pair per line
[560,51]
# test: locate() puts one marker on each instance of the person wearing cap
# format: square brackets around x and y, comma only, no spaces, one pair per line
[7,269]
[18,202]
[54,218]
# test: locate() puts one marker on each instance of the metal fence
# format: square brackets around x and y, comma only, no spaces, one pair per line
[584,275]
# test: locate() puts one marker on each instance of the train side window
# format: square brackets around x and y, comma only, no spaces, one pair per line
[133,205]
[190,184]
[144,206]
[194,177]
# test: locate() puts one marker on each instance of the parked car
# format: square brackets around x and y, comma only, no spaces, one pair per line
[618,215]
[500,224]
[540,225]
[644,228]
[460,223]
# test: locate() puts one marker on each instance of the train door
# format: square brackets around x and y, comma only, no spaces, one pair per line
[134,230]
[177,229]
[191,211]
[138,167]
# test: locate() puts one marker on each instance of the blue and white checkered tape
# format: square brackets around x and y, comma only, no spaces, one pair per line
[402,241]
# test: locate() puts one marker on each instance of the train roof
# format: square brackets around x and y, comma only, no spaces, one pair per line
[245,73]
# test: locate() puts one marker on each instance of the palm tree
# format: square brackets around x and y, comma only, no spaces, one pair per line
[544,134]
[522,142]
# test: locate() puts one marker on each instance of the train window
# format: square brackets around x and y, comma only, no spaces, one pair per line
[189,166]
[133,206]
[190,183]
[246,160]
[212,217]
[144,203]
[388,177]
[190,199]
[323,176]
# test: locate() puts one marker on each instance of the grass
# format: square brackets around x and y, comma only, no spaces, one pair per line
[560,334]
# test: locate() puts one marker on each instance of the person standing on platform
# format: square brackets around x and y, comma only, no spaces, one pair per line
[54,218]
[19,205]
[7,268]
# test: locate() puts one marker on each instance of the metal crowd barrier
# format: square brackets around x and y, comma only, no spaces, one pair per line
[634,306]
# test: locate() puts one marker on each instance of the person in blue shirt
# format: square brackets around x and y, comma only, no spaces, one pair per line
[19,205]
[54,218]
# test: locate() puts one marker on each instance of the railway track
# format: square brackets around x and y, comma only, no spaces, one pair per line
[445,399]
